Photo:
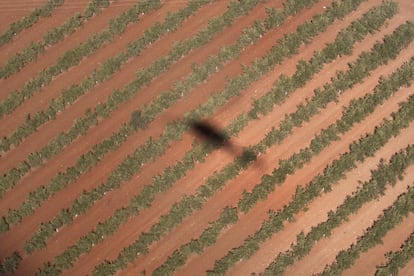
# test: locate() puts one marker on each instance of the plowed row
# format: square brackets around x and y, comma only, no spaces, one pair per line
[113,249]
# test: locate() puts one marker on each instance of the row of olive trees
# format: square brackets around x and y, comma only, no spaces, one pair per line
[167,99]
[322,183]
[85,163]
[182,124]
[391,217]
[386,174]
[343,45]
[192,80]
[69,59]
[28,21]
[80,126]
[129,167]
[397,259]
[10,264]
[368,61]
[53,36]
[333,173]
[124,171]
[207,238]
[190,203]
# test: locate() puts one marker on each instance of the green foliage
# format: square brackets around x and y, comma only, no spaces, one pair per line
[373,236]
[397,259]
[137,121]
[235,86]
[68,59]
[358,29]
[399,39]
[169,134]
[333,172]
[10,264]
[244,156]
[103,110]
[213,183]
[207,238]
[82,124]
[385,174]
[29,20]
[55,35]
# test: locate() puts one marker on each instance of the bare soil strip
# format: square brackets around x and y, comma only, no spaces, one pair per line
[251,222]
[322,254]
[408,269]
[190,228]
[187,188]
[103,170]
[68,156]
[356,92]
[191,186]
[35,33]
[98,94]
[281,241]
[343,236]
[183,104]
[31,70]
[65,119]
[155,129]
[10,12]
[93,178]
[276,197]
[367,262]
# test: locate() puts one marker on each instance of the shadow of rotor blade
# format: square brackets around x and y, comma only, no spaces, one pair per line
[209,133]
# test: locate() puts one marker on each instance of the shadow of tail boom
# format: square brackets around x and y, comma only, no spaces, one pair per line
[213,136]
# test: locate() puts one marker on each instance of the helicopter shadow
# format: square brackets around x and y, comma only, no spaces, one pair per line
[208,133]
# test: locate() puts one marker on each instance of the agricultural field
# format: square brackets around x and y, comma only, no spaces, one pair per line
[207,137]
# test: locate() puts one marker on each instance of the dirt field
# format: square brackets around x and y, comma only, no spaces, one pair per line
[196,222]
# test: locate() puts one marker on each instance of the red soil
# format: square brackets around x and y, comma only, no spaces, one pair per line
[368,261]
[36,32]
[188,189]
[193,226]
[324,252]
[134,141]
[31,70]
[101,91]
[226,196]
[10,12]
[43,136]
[216,252]
[98,177]
[407,269]
[281,241]
[177,192]
[178,109]
[250,223]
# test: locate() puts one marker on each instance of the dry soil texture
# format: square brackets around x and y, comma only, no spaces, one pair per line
[193,224]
